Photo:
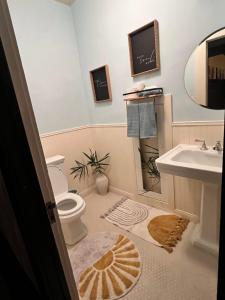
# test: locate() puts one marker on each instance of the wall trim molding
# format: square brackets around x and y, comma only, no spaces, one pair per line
[119,125]
[48,134]
[44,135]
[67,2]
[108,125]
[198,123]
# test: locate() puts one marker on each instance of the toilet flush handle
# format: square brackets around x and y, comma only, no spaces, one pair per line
[50,211]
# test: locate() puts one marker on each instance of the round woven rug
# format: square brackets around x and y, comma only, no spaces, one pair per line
[106,265]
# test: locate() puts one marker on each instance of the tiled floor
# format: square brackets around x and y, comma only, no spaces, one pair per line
[186,274]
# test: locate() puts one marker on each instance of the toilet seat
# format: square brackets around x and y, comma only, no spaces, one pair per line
[68,204]
[72,204]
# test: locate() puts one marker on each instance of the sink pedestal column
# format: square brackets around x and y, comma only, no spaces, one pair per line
[206,233]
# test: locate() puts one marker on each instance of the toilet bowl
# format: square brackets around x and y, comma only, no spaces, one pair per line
[70,206]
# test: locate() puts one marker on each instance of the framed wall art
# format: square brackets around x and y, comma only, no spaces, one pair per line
[144,49]
[100,82]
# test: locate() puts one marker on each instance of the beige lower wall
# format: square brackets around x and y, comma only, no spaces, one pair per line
[122,174]
[70,144]
[114,139]
[103,139]
[188,191]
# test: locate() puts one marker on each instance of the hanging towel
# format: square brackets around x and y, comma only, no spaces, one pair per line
[133,123]
[147,120]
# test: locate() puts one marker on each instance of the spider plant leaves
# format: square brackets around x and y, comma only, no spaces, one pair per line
[96,156]
[149,164]
[79,170]
[152,148]
[88,156]
[149,152]
[104,158]
[98,165]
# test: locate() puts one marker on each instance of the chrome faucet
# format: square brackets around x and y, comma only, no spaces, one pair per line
[203,146]
[218,146]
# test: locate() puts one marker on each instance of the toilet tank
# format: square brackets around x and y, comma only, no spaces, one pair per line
[57,160]
[57,177]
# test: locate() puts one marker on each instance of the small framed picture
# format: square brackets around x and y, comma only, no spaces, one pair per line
[100,82]
[144,49]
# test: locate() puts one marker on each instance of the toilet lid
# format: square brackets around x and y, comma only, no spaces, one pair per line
[58,180]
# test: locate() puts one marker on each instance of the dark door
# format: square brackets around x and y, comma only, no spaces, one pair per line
[30,263]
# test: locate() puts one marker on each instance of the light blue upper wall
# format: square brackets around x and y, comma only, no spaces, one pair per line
[102,27]
[47,44]
[62,96]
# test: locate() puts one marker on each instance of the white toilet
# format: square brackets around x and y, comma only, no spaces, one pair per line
[70,206]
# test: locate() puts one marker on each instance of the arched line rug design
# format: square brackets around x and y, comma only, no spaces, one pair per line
[153,225]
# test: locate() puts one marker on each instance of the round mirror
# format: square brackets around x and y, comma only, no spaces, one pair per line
[205,72]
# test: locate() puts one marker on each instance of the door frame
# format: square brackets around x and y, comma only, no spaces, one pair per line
[9,43]
[24,102]
[221,263]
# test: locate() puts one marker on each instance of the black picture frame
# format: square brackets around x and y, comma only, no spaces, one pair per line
[100,82]
[144,49]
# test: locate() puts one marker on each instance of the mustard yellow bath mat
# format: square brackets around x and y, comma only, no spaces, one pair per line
[167,230]
[106,265]
[151,224]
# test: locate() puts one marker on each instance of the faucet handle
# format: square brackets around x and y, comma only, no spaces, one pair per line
[218,146]
[203,146]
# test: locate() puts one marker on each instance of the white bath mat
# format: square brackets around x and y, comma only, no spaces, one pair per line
[136,218]
[106,265]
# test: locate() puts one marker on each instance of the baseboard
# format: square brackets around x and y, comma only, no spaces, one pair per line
[151,201]
[112,189]
[121,192]
[87,191]
[165,206]
[156,203]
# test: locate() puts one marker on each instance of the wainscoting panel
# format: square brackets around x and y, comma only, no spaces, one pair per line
[70,143]
[187,132]
[113,138]
[188,191]
[122,173]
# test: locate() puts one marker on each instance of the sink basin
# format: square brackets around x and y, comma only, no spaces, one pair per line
[189,161]
[206,166]
[200,158]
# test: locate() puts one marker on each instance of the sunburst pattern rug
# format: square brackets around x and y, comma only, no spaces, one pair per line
[106,266]
[153,225]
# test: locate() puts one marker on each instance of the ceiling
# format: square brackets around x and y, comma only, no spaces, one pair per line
[68,2]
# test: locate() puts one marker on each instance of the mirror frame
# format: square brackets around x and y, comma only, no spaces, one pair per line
[209,35]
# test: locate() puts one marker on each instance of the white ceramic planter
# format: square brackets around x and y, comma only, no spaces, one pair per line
[102,184]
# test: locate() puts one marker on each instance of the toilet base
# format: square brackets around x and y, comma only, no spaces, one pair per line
[73,231]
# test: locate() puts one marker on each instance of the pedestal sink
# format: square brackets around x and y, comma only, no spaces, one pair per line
[206,166]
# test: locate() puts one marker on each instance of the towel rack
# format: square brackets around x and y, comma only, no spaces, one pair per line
[150,97]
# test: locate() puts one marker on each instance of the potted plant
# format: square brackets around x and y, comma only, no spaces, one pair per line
[98,166]
[149,165]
